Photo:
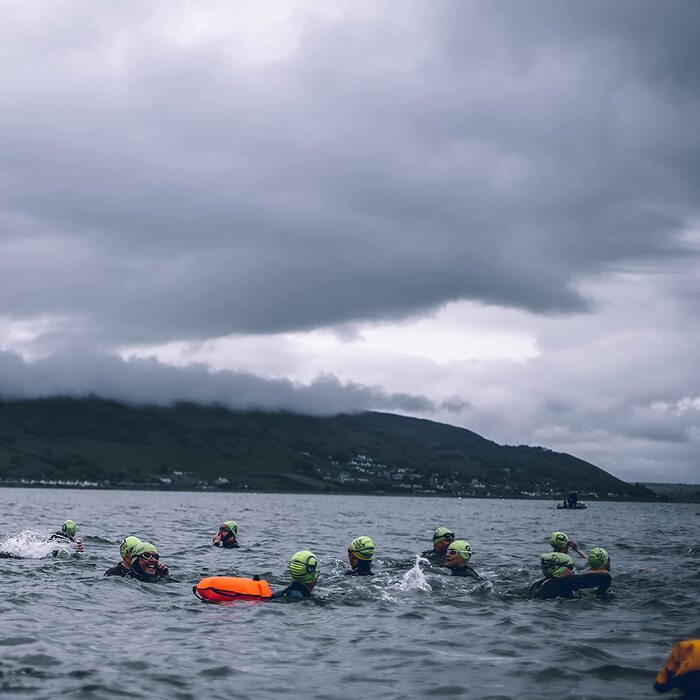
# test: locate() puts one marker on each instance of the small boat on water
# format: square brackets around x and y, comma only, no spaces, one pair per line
[565,506]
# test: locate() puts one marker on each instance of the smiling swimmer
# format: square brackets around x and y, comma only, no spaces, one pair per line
[145,564]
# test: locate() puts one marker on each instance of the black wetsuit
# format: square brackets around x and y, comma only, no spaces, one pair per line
[466,571]
[228,542]
[434,557]
[61,537]
[118,570]
[363,568]
[297,591]
[136,572]
[566,586]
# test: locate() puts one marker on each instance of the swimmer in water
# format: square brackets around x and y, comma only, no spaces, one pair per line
[304,570]
[560,581]
[441,540]
[125,549]
[145,564]
[457,559]
[360,553]
[66,535]
[598,561]
[562,543]
[226,537]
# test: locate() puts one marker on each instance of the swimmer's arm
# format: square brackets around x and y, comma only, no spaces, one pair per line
[575,547]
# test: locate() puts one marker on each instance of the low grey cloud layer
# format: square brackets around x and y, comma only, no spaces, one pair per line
[148,381]
[175,172]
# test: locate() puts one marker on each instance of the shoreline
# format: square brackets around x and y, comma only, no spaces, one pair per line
[378,493]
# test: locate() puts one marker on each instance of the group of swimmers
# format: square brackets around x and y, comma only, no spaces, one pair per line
[140,560]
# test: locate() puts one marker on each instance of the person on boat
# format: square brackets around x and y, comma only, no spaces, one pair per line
[67,536]
[457,559]
[304,570]
[442,537]
[360,553]
[562,543]
[226,537]
[560,581]
[125,550]
[145,564]
[572,499]
[682,670]
[598,560]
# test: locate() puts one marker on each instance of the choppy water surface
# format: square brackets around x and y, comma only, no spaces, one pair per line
[68,631]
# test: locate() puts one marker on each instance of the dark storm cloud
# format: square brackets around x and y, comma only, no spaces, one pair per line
[154,189]
[148,381]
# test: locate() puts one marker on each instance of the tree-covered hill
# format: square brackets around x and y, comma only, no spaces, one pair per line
[194,446]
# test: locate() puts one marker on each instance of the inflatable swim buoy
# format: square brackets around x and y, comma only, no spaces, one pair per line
[220,589]
[682,669]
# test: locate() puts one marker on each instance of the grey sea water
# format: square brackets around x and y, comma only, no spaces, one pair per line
[67,631]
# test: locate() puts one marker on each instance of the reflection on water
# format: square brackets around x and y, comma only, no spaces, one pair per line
[408,631]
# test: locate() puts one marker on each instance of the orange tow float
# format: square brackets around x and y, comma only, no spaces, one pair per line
[222,589]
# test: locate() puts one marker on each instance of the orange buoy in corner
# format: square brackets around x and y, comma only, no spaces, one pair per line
[221,589]
[682,669]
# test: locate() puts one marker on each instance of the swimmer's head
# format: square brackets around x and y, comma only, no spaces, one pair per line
[145,556]
[232,525]
[304,568]
[598,558]
[555,564]
[70,528]
[227,533]
[362,548]
[442,538]
[127,547]
[458,554]
[559,541]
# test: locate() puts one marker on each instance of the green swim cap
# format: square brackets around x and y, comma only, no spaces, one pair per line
[463,547]
[442,532]
[303,567]
[127,545]
[555,563]
[70,528]
[598,557]
[362,548]
[142,548]
[232,525]
[559,540]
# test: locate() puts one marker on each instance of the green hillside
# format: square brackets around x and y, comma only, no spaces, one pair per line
[192,446]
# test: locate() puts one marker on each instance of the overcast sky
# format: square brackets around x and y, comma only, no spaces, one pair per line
[486,214]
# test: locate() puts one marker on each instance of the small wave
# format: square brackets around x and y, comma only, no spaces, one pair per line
[30,544]
[414,578]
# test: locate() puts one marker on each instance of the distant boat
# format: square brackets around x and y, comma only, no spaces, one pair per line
[565,506]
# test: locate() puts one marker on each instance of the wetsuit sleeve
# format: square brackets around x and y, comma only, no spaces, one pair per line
[601,582]
[115,571]
[552,588]
[473,573]
[280,594]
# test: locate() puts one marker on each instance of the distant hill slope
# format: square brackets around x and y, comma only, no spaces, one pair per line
[193,446]
[679,493]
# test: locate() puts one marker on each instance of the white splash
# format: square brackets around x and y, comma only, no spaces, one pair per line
[414,578]
[30,544]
